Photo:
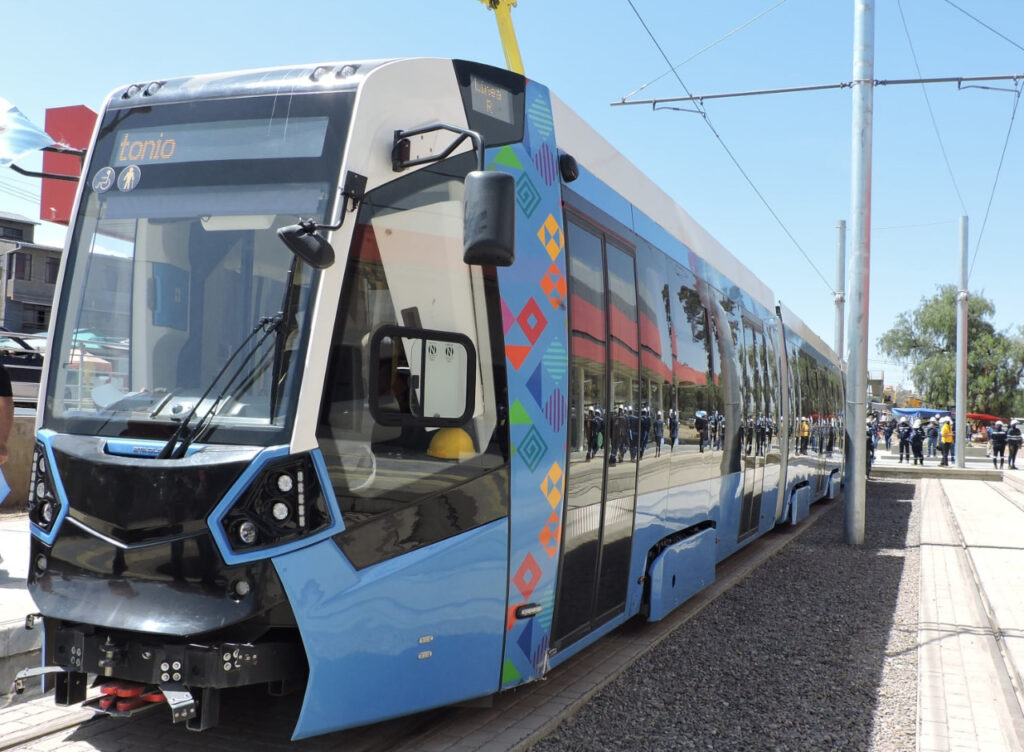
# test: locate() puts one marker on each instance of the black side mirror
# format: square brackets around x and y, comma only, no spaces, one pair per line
[489,236]
[309,245]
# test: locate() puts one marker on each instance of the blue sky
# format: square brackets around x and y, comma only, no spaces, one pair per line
[795,148]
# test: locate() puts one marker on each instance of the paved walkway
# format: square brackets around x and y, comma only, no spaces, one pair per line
[971,624]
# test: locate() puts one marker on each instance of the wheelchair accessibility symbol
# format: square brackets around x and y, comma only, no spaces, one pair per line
[103,180]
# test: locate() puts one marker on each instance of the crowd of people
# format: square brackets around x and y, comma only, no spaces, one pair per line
[935,438]
[631,434]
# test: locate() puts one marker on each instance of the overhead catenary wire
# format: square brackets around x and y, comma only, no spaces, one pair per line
[979,21]
[995,182]
[703,113]
[704,49]
[931,112]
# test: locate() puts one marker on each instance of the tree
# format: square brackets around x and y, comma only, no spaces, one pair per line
[925,340]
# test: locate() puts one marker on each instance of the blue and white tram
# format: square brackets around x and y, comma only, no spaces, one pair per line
[417,387]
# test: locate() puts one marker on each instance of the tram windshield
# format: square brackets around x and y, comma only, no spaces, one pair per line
[174,262]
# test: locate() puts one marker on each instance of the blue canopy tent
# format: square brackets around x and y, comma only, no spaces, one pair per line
[924,413]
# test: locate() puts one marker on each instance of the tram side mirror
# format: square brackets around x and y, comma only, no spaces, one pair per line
[307,243]
[489,230]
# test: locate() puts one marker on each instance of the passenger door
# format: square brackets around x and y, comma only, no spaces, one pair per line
[601,478]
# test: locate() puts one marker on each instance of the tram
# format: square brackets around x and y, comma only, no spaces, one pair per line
[417,389]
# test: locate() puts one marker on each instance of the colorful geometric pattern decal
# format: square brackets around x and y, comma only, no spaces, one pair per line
[556,361]
[555,410]
[525,640]
[532,321]
[527,195]
[547,164]
[527,576]
[516,354]
[518,416]
[551,534]
[508,319]
[509,674]
[506,157]
[553,286]
[539,112]
[535,385]
[537,372]
[532,448]
[553,486]
[550,235]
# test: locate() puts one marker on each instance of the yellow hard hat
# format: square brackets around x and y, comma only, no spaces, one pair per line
[451,444]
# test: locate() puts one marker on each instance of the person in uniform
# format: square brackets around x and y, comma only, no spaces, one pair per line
[1013,442]
[997,435]
[658,433]
[917,442]
[903,434]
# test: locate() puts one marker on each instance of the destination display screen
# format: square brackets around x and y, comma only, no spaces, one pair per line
[278,138]
[488,99]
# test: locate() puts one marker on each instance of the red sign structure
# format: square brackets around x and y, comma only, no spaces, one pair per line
[71,126]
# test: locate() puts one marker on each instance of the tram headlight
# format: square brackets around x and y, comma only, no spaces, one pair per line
[283,503]
[247,532]
[43,503]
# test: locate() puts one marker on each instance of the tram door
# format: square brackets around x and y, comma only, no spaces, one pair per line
[753,447]
[600,500]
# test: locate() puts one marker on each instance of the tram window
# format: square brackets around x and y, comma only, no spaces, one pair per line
[411,316]
[423,378]
[693,363]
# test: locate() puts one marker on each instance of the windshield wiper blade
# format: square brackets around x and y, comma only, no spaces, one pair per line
[171,450]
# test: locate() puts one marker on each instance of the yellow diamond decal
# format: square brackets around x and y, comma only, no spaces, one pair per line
[552,485]
[550,235]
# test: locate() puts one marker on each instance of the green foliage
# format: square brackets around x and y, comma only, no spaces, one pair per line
[925,341]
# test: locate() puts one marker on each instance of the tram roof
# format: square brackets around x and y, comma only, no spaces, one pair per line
[795,324]
[604,161]
[296,79]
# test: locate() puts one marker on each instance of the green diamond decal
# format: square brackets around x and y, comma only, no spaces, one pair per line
[518,416]
[507,158]
[509,673]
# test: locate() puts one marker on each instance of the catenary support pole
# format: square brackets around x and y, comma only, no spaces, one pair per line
[840,285]
[960,437]
[860,260]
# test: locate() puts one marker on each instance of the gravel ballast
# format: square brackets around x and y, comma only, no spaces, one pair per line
[815,650]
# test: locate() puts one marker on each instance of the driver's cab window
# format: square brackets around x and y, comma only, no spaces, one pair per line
[410,407]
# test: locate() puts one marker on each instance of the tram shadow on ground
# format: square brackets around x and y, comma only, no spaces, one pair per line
[792,657]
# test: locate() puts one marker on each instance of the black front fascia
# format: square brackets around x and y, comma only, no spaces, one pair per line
[427,521]
[138,500]
[181,588]
[135,553]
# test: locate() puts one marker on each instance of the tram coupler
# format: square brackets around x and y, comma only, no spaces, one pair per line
[31,673]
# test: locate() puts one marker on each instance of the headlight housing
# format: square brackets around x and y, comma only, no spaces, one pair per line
[282,504]
[43,503]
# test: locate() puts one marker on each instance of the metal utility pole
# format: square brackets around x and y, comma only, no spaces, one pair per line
[840,285]
[960,437]
[860,214]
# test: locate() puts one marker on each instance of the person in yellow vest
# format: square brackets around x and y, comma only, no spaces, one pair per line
[804,432]
[945,439]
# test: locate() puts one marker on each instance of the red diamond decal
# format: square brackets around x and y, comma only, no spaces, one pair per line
[532,321]
[528,576]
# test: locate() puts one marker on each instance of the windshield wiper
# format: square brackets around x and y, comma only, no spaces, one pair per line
[172,450]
